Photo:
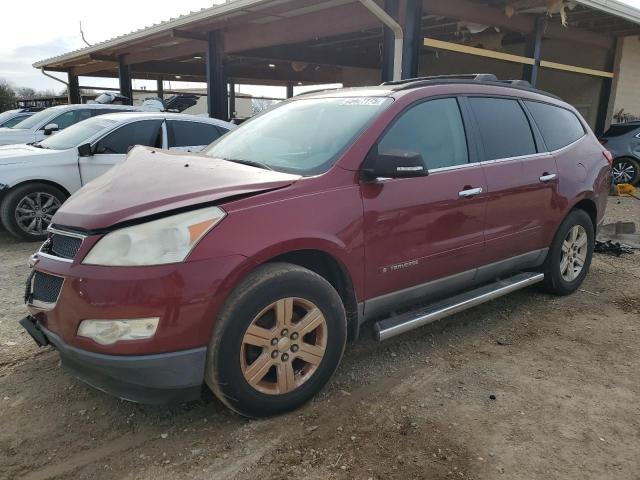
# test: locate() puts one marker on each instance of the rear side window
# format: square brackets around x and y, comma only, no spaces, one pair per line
[559,126]
[146,132]
[504,128]
[191,134]
[434,129]
[71,118]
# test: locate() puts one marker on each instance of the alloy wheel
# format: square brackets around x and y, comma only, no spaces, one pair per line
[574,253]
[283,346]
[34,212]
[623,171]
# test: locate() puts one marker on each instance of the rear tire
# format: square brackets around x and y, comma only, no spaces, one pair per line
[32,202]
[570,255]
[277,341]
[625,170]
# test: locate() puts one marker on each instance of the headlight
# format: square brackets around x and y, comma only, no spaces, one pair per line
[168,240]
[108,332]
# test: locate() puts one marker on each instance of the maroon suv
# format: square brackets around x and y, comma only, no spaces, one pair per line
[248,267]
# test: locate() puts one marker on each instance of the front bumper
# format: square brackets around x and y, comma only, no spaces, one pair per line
[159,379]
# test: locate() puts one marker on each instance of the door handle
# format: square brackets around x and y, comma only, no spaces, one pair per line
[471,192]
[547,177]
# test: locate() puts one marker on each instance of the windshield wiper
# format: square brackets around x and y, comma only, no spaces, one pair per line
[251,163]
[35,144]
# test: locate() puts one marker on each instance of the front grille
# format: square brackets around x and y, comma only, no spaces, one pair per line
[64,246]
[46,288]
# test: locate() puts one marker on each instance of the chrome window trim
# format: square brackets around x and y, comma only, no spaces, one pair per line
[453,167]
[553,152]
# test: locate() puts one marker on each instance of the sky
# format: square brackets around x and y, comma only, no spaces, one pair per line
[32,30]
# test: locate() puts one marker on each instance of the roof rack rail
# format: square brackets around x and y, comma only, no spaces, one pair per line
[476,77]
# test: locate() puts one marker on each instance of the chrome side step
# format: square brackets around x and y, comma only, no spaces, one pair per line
[392,326]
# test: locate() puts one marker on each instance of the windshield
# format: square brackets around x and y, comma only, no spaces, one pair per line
[34,120]
[77,134]
[305,136]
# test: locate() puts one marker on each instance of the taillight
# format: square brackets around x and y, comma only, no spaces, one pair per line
[607,154]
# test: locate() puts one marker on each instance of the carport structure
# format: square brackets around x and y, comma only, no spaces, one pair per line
[356,42]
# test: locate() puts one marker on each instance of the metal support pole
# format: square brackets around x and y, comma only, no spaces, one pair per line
[392,8]
[160,88]
[124,77]
[289,90]
[534,50]
[217,96]
[232,100]
[73,88]
[606,89]
[398,34]
[412,26]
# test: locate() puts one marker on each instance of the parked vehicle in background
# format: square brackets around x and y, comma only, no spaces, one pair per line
[54,119]
[9,118]
[36,179]
[247,268]
[623,141]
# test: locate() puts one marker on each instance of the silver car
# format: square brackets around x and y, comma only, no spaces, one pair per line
[623,141]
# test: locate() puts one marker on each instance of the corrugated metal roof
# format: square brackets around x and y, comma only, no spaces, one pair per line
[614,7]
[239,7]
[202,14]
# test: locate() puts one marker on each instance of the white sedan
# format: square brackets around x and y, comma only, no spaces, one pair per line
[36,179]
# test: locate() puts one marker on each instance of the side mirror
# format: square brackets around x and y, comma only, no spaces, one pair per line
[84,150]
[395,164]
[50,128]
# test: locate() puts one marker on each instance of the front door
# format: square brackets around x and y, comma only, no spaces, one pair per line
[113,147]
[419,230]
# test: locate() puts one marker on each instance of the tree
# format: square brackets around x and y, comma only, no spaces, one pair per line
[7,96]
[26,92]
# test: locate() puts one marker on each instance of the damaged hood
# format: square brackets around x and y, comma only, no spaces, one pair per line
[151,182]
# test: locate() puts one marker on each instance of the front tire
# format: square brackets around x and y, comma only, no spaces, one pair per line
[27,210]
[277,341]
[570,255]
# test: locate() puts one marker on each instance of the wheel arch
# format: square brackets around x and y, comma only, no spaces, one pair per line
[38,180]
[332,270]
[589,206]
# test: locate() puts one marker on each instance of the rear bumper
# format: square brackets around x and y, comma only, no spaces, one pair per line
[159,379]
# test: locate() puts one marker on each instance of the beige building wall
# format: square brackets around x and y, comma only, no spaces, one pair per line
[627,85]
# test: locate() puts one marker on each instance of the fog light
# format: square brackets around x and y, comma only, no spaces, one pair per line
[108,332]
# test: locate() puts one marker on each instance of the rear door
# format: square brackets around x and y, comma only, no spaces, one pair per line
[113,147]
[418,230]
[191,136]
[521,179]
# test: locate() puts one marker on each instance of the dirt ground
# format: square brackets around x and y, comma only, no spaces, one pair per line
[525,387]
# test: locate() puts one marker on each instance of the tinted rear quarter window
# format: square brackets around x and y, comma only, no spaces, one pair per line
[189,134]
[559,126]
[504,128]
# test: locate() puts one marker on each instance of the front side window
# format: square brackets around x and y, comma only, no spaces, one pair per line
[37,120]
[14,121]
[559,126]
[147,133]
[434,129]
[504,128]
[191,134]
[305,136]
[76,135]
[70,118]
